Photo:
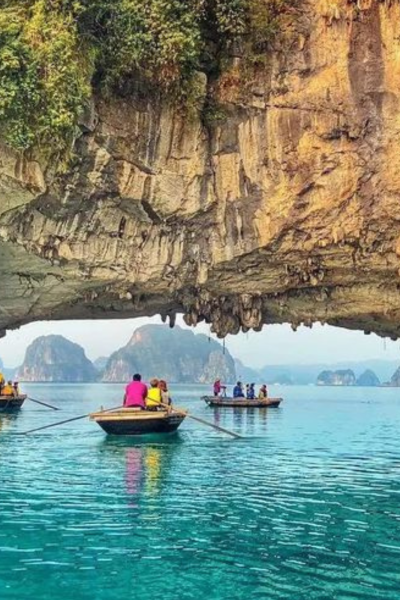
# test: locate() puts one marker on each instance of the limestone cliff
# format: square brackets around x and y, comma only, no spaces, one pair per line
[53,358]
[395,380]
[339,377]
[287,209]
[368,379]
[177,356]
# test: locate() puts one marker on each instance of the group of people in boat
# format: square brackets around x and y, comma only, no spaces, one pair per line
[155,396]
[239,392]
[8,388]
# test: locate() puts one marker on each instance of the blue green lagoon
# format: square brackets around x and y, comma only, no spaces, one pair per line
[305,506]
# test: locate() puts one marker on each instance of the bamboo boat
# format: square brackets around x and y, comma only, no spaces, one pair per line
[131,421]
[243,402]
[11,403]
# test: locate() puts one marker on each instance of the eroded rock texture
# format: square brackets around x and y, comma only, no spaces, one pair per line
[286,210]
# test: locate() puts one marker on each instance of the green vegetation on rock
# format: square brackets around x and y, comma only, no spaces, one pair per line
[52,53]
[177,355]
[54,358]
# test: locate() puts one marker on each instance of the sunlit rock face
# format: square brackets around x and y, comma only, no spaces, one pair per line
[53,358]
[287,210]
[176,355]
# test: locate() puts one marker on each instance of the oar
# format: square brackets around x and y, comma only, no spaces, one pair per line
[42,403]
[232,433]
[67,421]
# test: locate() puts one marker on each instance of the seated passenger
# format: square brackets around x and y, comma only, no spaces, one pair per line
[251,394]
[164,392]
[154,398]
[2,381]
[16,388]
[263,393]
[8,389]
[135,393]
[238,390]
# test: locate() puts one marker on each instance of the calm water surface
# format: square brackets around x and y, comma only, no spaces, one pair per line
[306,506]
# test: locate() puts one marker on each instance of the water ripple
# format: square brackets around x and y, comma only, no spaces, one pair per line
[306,507]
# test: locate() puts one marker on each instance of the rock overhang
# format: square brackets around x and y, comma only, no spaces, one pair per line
[288,211]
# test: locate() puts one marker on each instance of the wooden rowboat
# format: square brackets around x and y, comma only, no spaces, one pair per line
[131,421]
[11,403]
[242,402]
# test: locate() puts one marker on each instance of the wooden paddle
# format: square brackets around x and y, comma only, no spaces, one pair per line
[42,403]
[217,427]
[67,421]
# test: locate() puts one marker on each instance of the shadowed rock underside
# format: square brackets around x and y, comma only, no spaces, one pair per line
[286,210]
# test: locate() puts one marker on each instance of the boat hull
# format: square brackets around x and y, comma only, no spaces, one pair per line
[242,402]
[11,403]
[128,422]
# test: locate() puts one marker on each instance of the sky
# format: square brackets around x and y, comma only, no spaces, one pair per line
[275,344]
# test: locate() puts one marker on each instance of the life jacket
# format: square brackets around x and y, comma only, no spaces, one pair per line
[2,380]
[153,397]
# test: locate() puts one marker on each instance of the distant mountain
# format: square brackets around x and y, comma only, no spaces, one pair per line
[177,355]
[368,379]
[100,363]
[395,379]
[9,373]
[307,374]
[54,358]
[339,377]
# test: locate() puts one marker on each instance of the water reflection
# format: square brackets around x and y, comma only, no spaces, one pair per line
[6,420]
[152,470]
[133,473]
[143,469]
[246,421]
[145,464]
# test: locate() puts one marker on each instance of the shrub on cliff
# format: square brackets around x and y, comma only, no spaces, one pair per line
[53,51]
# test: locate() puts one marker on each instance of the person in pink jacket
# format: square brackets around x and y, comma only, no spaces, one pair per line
[135,393]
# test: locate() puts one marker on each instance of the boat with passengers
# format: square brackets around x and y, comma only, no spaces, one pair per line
[11,403]
[242,402]
[134,421]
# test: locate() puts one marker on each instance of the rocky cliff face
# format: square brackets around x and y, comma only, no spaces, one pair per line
[368,379]
[54,358]
[178,355]
[339,377]
[285,210]
[395,379]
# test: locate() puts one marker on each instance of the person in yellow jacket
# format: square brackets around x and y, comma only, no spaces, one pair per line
[154,396]
[8,390]
[2,381]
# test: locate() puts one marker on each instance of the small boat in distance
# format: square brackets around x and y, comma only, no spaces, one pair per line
[131,421]
[242,402]
[11,403]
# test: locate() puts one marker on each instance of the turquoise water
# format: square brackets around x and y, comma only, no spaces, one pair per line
[305,506]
